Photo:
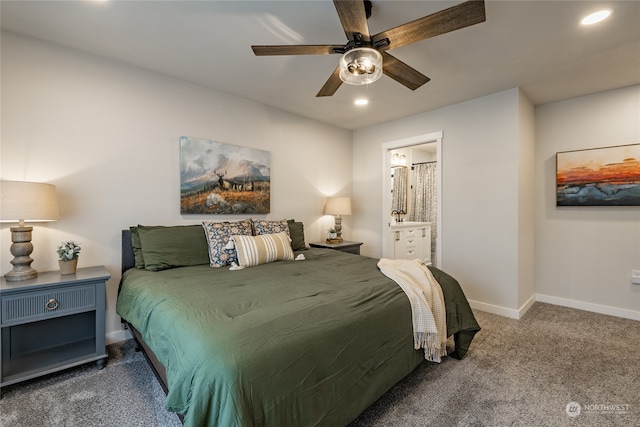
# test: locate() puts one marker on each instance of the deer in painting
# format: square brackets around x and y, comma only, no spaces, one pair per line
[224,185]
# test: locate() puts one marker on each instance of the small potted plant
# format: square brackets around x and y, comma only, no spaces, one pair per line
[68,253]
[332,233]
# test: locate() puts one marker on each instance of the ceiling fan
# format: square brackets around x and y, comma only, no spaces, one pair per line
[365,56]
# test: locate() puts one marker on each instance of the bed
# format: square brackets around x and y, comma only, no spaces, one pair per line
[309,342]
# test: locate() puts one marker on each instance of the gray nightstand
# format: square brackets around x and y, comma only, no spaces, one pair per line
[345,246]
[52,322]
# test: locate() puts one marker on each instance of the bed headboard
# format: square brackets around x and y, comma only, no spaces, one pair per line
[128,260]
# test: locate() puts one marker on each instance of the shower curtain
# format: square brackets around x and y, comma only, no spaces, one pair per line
[424,201]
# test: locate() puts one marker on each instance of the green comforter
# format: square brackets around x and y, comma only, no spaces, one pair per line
[296,343]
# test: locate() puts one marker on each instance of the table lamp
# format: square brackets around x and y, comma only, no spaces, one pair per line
[25,201]
[338,206]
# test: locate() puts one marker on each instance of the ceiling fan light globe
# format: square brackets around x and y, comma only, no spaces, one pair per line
[360,66]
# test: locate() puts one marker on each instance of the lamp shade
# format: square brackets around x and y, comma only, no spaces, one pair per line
[338,206]
[28,201]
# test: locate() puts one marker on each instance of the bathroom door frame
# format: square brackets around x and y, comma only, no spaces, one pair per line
[387,148]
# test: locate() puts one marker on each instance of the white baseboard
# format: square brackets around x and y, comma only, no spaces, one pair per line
[588,306]
[117,336]
[495,309]
[527,305]
[564,302]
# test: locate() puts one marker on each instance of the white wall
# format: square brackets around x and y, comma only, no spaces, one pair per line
[526,202]
[482,226]
[584,255]
[106,134]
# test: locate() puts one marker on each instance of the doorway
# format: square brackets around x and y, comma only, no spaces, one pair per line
[415,149]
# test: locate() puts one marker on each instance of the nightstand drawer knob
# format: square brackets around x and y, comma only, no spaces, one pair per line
[52,304]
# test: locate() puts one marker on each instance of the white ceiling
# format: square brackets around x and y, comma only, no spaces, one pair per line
[536,45]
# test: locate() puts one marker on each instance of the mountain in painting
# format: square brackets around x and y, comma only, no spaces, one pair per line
[613,184]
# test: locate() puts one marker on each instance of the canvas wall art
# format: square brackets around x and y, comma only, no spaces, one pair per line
[608,176]
[217,178]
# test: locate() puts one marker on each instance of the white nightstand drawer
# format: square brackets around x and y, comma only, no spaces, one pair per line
[34,306]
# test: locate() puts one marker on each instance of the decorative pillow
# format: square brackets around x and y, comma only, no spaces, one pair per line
[173,246]
[137,248]
[218,236]
[296,232]
[256,250]
[264,226]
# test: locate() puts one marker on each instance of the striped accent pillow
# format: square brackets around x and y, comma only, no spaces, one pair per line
[256,250]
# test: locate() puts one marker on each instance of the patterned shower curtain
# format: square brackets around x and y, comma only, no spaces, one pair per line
[424,201]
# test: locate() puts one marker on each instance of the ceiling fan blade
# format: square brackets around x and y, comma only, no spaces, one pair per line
[459,16]
[402,73]
[295,49]
[353,18]
[331,86]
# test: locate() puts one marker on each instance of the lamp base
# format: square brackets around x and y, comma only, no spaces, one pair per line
[17,275]
[338,228]
[21,248]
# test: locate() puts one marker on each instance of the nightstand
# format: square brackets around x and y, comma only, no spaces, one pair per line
[52,322]
[345,246]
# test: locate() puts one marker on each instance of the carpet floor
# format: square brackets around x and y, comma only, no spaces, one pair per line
[554,367]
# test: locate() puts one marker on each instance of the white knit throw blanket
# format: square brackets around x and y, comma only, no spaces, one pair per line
[427,304]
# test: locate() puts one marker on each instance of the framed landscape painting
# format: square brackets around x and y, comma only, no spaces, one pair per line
[217,178]
[608,176]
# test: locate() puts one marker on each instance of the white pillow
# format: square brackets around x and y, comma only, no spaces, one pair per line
[256,250]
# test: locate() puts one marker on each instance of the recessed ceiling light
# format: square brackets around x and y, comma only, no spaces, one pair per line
[596,17]
[361,101]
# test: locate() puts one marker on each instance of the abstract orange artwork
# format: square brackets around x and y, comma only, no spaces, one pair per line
[607,176]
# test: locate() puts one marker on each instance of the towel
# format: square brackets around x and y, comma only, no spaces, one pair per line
[427,304]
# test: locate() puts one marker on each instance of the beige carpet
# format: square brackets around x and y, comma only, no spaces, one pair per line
[516,373]
[525,373]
